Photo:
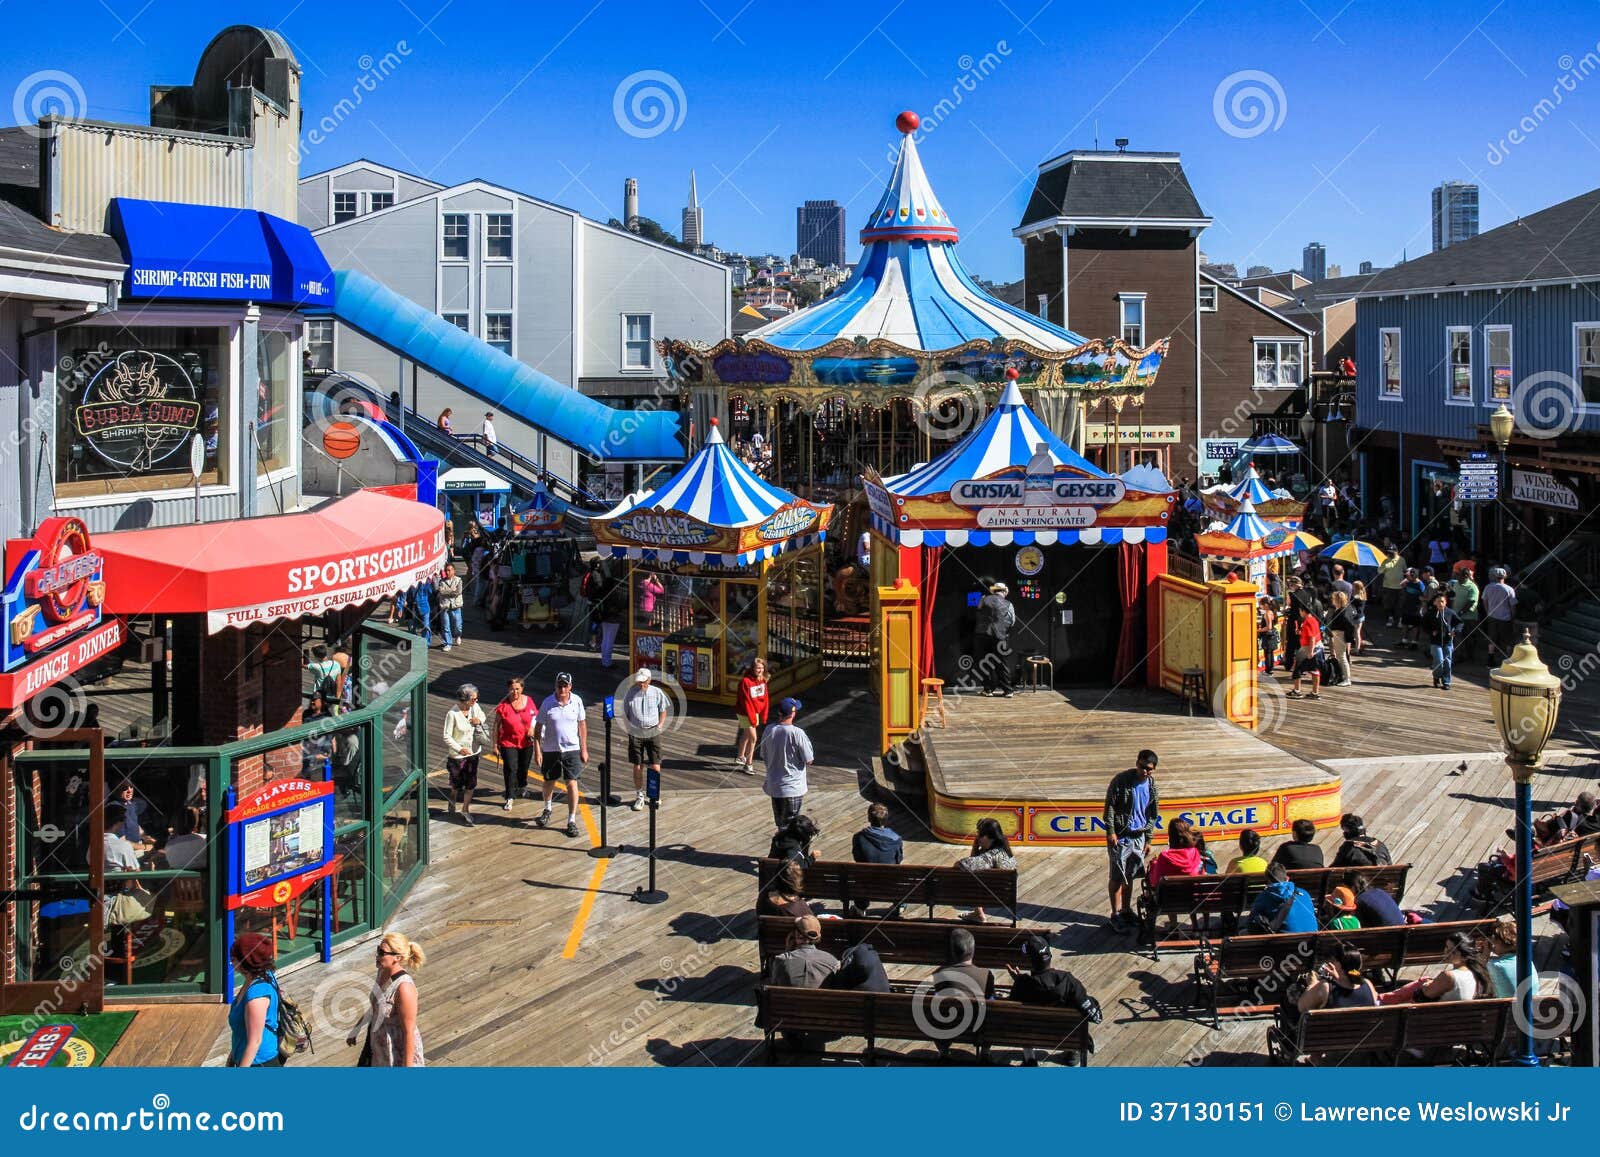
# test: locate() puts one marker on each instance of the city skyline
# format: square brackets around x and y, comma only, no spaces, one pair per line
[1322,163]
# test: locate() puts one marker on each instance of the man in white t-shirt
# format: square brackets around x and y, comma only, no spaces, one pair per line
[646,712]
[562,733]
[490,442]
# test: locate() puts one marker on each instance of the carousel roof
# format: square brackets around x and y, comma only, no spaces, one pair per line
[1249,526]
[1251,487]
[716,488]
[1008,437]
[1246,536]
[909,286]
[541,516]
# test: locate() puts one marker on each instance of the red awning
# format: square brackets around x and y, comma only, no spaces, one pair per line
[358,549]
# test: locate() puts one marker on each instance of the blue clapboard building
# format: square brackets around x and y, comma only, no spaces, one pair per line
[1509,317]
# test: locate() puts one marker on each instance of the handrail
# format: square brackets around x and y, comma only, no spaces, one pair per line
[1578,555]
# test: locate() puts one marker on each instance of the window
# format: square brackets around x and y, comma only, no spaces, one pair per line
[1587,363]
[1389,357]
[459,320]
[636,350]
[100,449]
[1458,351]
[497,331]
[273,425]
[1132,318]
[457,236]
[1208,299]
[1041,304]
[1497,348]
[497,236]
[1278,363]
[319,344]
[344,207]
[376,201]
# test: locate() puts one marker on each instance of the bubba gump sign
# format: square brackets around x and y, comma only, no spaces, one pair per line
[52,603]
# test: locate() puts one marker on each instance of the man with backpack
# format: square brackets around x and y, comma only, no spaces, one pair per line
[1282,906]
[1359,850]
[327,677]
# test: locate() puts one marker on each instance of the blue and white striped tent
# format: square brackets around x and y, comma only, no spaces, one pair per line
[1008,437]
[1251,487]
[540,517]
[1246,536]
[715,489]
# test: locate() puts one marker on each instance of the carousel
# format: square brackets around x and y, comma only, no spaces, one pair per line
[1247,542]
[1001,506]
[722,568]
[906,355]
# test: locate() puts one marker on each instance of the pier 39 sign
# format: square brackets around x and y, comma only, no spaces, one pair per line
[1037,502]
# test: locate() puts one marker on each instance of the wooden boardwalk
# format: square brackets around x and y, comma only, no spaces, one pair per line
[537,955]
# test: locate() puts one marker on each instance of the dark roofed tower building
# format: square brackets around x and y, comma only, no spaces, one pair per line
[819,232]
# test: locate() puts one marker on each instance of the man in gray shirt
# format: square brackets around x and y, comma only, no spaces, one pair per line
[786,750]
[804,965]
[645,711]
[1499,604]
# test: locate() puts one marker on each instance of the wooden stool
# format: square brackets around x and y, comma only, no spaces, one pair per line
[1194,688]
[1036,666]
[935,689]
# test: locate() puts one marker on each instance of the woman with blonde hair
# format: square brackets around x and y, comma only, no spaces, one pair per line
[393,1039]
[1341,633]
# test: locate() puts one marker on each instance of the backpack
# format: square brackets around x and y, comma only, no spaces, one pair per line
[292,1030]
[1377,855]
[328,682]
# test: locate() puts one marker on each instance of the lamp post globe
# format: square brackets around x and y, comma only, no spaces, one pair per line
[1502,424]
[1527,701]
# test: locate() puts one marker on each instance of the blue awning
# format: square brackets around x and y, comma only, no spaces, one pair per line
[182,252]
[300,273]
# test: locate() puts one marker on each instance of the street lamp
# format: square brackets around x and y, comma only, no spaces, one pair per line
[1501,424]
[1527,700]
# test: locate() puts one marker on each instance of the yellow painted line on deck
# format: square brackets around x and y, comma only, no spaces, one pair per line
[592,891]
[575,937]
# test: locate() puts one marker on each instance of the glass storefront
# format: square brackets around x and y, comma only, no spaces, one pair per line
[131,399]
[166,900]
[274,415]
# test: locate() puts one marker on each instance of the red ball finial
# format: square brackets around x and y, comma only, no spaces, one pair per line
[1012,374]
[716,421]
[907,121]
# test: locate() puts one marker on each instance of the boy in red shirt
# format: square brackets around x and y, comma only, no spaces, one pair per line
[1308,659]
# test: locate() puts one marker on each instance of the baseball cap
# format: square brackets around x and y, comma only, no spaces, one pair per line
[563,679]
[790,704]
[642,675]
[807,929]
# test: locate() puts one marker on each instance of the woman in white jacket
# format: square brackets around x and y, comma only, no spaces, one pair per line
[464,729]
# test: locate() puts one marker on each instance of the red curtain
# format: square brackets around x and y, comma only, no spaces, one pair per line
[931,556]
[1130,585]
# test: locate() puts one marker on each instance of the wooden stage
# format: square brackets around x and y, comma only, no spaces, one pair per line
[1040,763]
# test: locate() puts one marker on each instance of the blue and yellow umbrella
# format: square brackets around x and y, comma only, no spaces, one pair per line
[1305,540]
[1354,552]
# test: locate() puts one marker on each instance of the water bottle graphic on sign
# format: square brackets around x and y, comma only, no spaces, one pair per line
[1039,485]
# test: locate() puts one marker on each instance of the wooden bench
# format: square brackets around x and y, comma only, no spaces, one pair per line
[1272,961]
[1228,897]
[1556,864]
[881,1016]
[1384,1035]
[904,941]
[899,884]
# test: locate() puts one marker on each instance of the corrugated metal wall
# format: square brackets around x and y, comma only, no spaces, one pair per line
[12,449]
[1541,326]
[96,163]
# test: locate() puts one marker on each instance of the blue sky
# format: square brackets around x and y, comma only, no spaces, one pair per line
[1370,103]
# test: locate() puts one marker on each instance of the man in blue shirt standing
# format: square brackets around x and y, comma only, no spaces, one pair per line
[1132,812]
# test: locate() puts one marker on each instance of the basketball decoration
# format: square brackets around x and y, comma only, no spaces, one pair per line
[341,439]
[907,122]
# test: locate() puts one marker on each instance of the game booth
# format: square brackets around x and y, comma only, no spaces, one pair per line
[189,788]
[1247,543]
[541,552]
[1004,505]
[1278,507]
[471,495]
[722,567]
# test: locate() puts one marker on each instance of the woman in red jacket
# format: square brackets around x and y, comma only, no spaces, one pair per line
[750,714]
[1181,858]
